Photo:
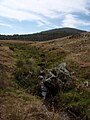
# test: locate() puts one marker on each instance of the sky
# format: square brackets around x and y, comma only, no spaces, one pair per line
[30,16]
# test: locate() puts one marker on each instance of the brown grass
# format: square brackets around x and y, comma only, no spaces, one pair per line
[7,62]
[21,106]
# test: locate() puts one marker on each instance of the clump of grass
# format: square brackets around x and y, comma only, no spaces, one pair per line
[18,105]
[26,75]
[11,48]
[75,102]
[4,77]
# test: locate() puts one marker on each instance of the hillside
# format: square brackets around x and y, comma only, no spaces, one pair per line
[20,63]
[45,35]
[15,102]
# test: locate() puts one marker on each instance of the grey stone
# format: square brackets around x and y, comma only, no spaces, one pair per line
[54,80]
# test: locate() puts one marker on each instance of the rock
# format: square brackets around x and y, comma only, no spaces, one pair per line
[55,79]
[41,77]
[64,116]
[86,84]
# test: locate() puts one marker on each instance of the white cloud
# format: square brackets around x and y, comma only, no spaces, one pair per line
[69,21]
[41,10]
[17,14]
[47,8]
[5,25]
[73,21]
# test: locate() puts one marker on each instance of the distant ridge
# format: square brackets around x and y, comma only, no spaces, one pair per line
[44,35]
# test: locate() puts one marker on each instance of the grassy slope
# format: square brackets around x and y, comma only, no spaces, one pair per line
[75,52]
[15,103]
